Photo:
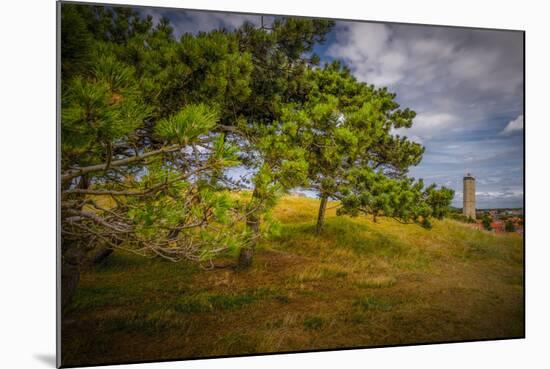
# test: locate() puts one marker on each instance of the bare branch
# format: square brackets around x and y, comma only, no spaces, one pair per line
[98,219]
[72,173]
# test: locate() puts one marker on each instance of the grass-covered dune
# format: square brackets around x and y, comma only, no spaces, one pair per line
[359,283]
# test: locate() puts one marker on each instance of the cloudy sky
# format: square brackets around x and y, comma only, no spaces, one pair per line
[466,86]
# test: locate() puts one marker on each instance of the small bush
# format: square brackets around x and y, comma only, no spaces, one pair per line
[426,223]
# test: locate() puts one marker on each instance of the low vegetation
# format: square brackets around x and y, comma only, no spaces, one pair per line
[358,283]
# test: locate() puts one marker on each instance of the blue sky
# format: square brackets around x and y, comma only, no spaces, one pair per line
[466,86]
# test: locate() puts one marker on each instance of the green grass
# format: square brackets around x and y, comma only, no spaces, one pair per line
[374,303]
[359,283]
[314,323]
[207,302]
[376,282]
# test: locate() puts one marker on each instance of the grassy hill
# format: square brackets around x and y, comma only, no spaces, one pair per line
[357,284]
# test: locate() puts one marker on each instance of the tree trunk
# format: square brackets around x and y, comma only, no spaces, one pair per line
[102,254]
[321,214]
[245,258]
[84,182]
[70,273]
[174,232]
[72,258]
[70,276]
[253,224]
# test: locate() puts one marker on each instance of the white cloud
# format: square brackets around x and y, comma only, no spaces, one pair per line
[428,125]
[189,21]
[513,126]
[474,65]
[455,79]
[205,22]
[433,121]
[504,194]
[368,48]
[417,139]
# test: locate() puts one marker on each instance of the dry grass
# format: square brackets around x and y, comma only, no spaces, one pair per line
[357,284]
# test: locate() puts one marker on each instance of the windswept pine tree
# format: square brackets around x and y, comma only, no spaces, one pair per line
[140,149]
[346,128]
[365,191]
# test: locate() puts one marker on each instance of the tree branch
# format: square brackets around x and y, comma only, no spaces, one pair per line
[72,173]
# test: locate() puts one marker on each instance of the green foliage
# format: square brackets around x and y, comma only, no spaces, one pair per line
[439,200]
[223,154]
[118,76]
[509,226]
[187,125]
[273,227]
[280,64]
[426,223]
[365,118]
[76,41]
[94,118]
[369,192]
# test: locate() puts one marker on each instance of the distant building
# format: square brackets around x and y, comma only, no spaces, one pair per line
[498,226]
[514,211]
[469,197]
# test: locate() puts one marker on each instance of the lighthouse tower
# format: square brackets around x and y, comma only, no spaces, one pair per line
[469,198]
